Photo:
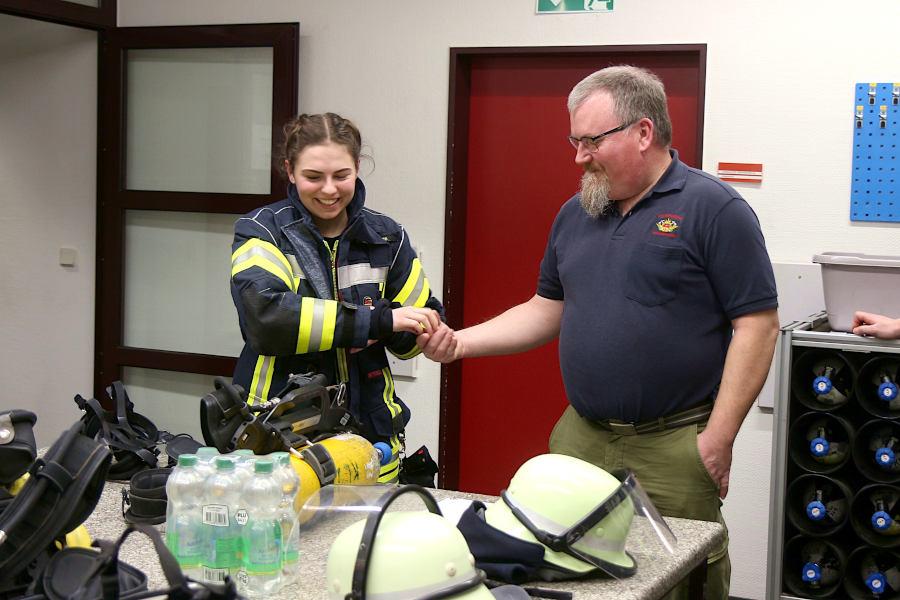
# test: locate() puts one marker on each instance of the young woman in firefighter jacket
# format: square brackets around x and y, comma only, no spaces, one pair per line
[323,284]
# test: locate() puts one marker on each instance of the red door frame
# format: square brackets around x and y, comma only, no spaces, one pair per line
[461,60]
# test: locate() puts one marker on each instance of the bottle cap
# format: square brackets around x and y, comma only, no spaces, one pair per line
[224,463]
[187,460]
[263,465]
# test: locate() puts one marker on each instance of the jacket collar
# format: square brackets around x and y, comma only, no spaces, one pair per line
[357,228]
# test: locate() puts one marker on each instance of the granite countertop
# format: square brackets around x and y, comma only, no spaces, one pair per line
[657,571]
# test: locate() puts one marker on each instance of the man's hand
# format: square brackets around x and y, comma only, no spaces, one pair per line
[716,457]
[878,326]
[441,345]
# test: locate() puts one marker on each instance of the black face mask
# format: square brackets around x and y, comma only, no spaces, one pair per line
[507,558]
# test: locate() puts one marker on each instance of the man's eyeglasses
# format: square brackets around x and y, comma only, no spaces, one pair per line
[593,142]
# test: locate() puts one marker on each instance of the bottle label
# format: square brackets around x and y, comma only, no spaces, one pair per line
[214,575]
[215,515]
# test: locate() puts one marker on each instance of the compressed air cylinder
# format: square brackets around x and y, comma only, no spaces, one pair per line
[343,459]
[875,515]
[873,573]
[814,568]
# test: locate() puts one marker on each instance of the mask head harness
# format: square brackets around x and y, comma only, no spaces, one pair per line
[130,436]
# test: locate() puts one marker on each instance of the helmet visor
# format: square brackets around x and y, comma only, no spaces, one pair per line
[624,520]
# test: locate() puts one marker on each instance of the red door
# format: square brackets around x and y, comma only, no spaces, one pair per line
[519,170]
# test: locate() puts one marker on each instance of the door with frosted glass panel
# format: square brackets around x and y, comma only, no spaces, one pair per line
[189,117]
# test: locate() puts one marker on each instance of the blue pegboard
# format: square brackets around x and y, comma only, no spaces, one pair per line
[875,190]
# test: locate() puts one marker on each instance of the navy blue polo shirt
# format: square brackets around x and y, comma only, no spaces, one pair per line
[649,296]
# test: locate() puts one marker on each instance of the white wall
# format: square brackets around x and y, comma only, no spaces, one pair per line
[48,148]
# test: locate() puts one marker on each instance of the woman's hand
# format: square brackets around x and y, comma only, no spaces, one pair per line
[415,320]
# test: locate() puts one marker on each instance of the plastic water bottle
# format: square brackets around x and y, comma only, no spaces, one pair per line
[206,457]
[220,521]
[184,529]
[263,551]
[244,460]
[289,481]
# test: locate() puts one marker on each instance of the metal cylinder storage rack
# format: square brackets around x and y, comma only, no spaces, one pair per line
[835,496]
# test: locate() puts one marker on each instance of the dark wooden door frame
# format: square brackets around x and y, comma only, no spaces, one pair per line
[111,355]
[99,17]
[461,60]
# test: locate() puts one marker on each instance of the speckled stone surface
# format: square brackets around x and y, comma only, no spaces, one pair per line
[657,571]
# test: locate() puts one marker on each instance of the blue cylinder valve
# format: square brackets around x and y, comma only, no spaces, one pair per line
[811,572]
[881,520]
[815,510]
[822,385]
[885,458]
[875,582]
[819,446]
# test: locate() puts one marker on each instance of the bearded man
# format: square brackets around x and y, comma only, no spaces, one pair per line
[657,281]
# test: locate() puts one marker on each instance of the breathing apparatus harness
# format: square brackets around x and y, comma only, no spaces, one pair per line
[61,491]
[299,414]
[131,437]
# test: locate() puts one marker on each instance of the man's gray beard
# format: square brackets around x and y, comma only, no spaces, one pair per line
[595,194]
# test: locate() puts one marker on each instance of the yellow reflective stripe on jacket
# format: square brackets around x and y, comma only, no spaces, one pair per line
[388,393]
[414,352]
[265,255]
[317,321]
[262,379]
[391,472]
[295,267]
[415,291]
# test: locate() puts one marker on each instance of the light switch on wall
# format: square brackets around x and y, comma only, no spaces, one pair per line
[67,257]
[402,368]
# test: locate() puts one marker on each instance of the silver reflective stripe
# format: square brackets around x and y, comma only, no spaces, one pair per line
[417,291]
[588,542]
[318,324]
[262,253]
[426,590]
[295,266]
[350,275]
[261,377]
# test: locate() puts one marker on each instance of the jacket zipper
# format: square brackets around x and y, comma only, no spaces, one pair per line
[341,352]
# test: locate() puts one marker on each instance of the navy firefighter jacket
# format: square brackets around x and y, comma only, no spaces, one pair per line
[303,305]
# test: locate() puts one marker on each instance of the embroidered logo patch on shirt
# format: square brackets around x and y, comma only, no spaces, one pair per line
[668,225]
[367,301]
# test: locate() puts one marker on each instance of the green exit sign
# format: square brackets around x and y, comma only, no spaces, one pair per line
[573,6]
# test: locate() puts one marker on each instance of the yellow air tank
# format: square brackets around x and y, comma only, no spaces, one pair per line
[343,459]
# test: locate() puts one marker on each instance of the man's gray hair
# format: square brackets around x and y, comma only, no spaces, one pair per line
[636,92]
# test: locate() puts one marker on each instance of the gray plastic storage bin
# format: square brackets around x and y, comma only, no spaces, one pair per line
[853,281]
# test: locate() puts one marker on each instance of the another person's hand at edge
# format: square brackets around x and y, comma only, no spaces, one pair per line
[878,326]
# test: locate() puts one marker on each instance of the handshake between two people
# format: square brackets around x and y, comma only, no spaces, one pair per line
[437,341]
